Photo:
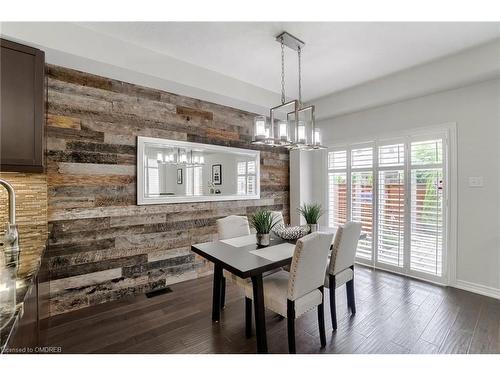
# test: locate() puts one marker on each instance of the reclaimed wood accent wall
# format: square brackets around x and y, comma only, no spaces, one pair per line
[102,246]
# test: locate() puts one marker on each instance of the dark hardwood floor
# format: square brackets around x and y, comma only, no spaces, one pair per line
[395,314]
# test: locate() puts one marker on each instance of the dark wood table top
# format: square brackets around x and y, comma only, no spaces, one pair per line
[239,260]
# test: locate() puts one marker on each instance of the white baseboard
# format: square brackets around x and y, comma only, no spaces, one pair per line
[477,288]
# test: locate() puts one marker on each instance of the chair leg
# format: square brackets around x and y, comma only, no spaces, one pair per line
[333,310]
[290,313]
[223,293]
[351,302]
[248,317]
[321,320]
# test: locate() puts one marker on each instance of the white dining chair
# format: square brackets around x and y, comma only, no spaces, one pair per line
[278,217]
[292,294]
[230,227]
[340,268]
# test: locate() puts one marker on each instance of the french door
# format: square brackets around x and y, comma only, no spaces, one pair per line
[397,190]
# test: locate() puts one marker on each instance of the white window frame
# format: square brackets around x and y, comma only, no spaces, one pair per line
[448,133]
[377,169]
[345,170]
[246,175]
[190,180]
[371,169]
[147,169]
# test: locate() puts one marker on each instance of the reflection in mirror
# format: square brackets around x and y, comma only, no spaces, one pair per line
[176,171]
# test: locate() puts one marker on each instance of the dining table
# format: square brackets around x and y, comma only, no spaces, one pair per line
[244,258]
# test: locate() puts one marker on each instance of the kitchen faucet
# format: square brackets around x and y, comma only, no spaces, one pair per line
[10,241]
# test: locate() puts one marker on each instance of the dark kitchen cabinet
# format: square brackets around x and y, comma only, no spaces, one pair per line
[22,108]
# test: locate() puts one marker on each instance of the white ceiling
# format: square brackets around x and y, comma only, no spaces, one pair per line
[336,55]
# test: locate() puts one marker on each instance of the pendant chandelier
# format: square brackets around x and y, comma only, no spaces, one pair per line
[190,158]
[291,124]
[181,157]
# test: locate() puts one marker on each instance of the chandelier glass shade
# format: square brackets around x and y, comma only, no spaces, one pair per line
[304,125]
[283,126]
[180,156]
[317,139]
[262,131]
[166,156]
[197,158]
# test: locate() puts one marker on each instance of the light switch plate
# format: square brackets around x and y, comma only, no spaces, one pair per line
[476,181]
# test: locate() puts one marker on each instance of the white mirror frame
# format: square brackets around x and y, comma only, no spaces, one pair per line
[142,200]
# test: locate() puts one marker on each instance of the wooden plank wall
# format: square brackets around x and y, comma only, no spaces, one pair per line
[102,246]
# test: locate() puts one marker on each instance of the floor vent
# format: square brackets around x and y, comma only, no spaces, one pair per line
[158,292]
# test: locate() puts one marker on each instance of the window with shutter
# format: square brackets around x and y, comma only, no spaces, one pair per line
[427,206]
[337,202]
[362,210]
[397,191]
[152,175]
[391,204]
[362,197]
[246,179]
[198,181]
[337,188]
[189,181]
[194,180]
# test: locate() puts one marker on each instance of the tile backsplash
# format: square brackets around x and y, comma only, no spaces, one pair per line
[31,215]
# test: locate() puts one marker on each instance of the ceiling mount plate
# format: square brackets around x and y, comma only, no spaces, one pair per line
[290,41]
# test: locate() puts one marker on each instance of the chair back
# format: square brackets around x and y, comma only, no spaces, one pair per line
[307,271]
[344,247]
[278,217]
[232,226]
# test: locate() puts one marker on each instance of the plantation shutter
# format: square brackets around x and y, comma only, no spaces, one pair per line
[246,177]
[362,197]
[337,188]
[391,204]
[251,177]
[189,181]
[426,245]
[152,175]
[198,180]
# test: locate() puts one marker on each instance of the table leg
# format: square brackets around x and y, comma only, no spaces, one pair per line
[216,296]
[260,318]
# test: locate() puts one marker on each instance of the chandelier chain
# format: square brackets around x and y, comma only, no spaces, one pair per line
[300,77]
[283,98]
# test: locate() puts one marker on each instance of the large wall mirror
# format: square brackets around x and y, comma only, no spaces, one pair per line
[176,171]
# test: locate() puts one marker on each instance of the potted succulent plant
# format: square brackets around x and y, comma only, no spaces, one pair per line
[311,213]
[263,222]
